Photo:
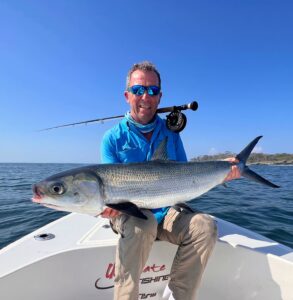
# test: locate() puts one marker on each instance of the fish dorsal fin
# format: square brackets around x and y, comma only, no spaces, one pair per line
[161,152]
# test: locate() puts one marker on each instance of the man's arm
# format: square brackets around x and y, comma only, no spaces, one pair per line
[108,149]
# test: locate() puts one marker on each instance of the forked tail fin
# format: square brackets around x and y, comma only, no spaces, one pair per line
[245,171]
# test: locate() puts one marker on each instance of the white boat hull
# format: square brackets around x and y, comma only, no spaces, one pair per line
[79,264]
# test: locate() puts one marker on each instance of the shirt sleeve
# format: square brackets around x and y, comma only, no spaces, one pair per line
[108,149]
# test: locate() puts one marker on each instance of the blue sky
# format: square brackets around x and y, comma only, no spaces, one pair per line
[66,61]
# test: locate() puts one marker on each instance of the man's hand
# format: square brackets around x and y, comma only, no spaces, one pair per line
[234,173]
[110,213]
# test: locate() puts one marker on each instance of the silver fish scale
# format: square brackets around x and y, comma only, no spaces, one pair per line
[160,183]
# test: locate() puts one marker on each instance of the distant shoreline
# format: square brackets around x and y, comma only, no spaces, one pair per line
[282,159]
[270,163]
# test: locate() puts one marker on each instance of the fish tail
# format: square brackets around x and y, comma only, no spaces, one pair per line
[246,172]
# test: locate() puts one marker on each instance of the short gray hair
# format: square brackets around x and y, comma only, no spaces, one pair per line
[143,66]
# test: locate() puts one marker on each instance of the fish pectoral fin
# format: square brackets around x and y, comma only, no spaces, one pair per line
[128,208]
[183,206]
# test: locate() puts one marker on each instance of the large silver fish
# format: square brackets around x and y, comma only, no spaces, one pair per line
[129,187]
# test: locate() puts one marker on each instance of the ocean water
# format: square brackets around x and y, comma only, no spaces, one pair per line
[253,206]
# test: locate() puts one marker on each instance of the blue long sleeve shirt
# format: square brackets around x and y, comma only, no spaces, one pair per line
[124,144]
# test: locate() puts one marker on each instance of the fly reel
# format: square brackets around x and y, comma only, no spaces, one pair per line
[176,120]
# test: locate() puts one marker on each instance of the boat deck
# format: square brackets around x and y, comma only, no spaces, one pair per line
[79,263]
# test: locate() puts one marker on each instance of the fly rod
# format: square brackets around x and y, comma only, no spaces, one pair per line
[176,120]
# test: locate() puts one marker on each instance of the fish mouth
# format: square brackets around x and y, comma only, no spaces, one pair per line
[38,194]
[38,201]
[56,207]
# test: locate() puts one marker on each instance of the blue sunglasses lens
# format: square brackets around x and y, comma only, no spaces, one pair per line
[153,90]
[139,90]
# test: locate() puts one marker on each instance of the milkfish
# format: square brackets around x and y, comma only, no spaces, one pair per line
[135,186]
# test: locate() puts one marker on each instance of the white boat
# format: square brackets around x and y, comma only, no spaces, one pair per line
[73,258]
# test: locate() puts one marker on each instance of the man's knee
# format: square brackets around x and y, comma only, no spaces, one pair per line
[141,226]
[128,225]
[205,226]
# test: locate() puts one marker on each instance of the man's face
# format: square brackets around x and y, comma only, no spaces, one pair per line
[144,107]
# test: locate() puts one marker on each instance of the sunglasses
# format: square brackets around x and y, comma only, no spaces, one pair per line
[139,90]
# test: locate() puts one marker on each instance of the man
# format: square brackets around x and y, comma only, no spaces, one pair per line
[134,139]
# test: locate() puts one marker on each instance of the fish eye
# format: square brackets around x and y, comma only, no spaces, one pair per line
[57,188]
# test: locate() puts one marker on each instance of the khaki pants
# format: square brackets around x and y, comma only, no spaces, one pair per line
[194,233]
